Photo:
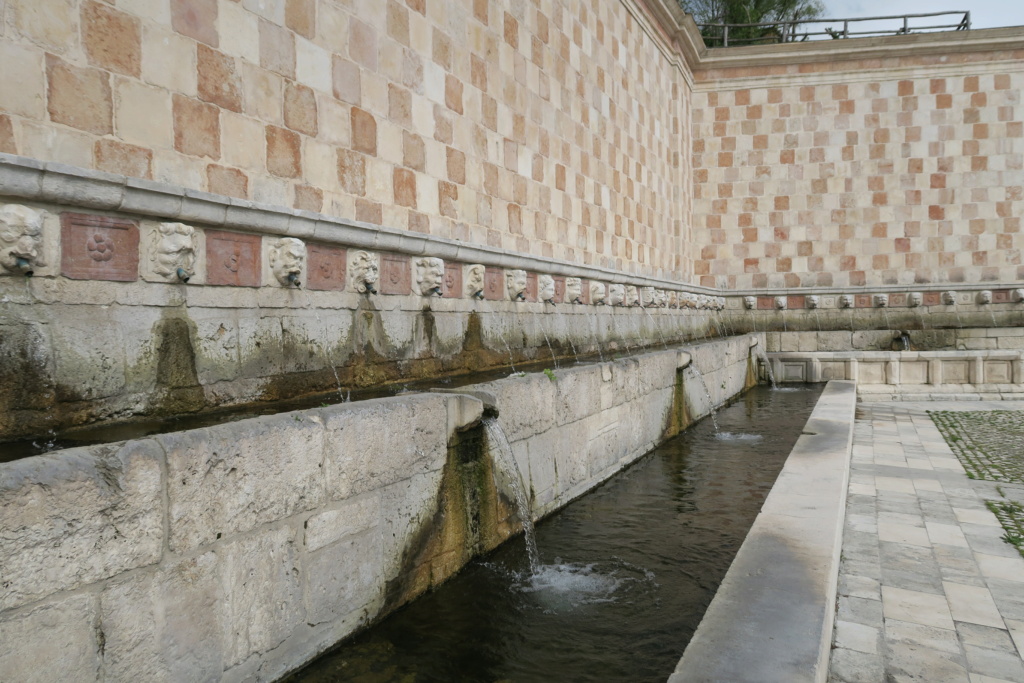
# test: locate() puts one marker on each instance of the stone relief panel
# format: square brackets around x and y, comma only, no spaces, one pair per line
[326,271]
[598,293]
[428,276]
[286,261]
[452,280]
[21,240]
[395,274]
[559,289]
[494,285]
[99,248]
[363,271]
[233,258]
[173,253]
[932,298]
[531,287]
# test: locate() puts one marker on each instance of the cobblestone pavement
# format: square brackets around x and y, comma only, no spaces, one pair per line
[928,590]
[988,443]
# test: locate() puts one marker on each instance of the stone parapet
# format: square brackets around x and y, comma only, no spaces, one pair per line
[243,550]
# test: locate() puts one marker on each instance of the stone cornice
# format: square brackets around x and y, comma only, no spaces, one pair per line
[687,40]
[26,179]
[854,49]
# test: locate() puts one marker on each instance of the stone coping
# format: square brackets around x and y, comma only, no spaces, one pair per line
[951,354]
[28,179]
[771,619]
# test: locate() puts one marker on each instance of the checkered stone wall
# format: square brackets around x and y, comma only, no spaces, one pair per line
[887,172]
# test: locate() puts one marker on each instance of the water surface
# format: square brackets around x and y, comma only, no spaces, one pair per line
[628,570]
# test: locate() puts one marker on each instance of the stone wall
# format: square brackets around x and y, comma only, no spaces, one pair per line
[554,129]
[89,338]
[861,163]
[239,552]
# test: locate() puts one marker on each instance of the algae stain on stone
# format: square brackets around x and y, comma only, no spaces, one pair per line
[177,387]
[470,518]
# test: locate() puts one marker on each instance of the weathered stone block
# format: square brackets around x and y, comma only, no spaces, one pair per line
[577,393]
[29,655]
[165,624]
[527,404]
[234,477]
[262,593]
[345,577]
[376,443]
[78,516]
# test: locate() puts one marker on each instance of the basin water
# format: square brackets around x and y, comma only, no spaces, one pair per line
[625,575]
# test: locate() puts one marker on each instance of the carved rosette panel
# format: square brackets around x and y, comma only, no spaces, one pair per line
[99,248]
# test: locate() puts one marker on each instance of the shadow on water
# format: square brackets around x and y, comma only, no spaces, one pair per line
[627,570]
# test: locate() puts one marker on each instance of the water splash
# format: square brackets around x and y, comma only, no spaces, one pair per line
[504,459]
[737,436]
[565,586]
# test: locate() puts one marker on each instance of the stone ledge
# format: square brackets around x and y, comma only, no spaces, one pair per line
[771,619]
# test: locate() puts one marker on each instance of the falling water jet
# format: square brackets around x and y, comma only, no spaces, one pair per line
[654,325]
[323,346]
[505,460]
[695,371]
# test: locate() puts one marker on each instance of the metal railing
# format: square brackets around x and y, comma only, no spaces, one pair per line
[726,35]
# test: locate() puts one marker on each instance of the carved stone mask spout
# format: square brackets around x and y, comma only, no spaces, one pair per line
[21,231]
[288,261]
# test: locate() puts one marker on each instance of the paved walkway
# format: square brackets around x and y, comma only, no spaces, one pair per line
[928,591]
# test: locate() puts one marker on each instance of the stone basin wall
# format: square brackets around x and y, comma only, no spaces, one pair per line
[241,551]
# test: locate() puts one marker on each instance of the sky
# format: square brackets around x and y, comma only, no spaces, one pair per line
[984,13]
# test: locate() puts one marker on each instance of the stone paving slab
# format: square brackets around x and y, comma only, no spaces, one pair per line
[928,590]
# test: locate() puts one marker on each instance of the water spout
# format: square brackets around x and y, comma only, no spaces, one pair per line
[182,275]
[370,289]
[24,265]
[293,279]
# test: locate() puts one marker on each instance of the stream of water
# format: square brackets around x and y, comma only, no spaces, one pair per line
[626,572]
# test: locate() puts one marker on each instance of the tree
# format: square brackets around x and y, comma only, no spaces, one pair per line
[752,12]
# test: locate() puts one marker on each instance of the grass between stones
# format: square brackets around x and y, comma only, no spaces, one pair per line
[990,446]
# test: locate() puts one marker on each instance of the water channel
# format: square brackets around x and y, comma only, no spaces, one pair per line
[626,572]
